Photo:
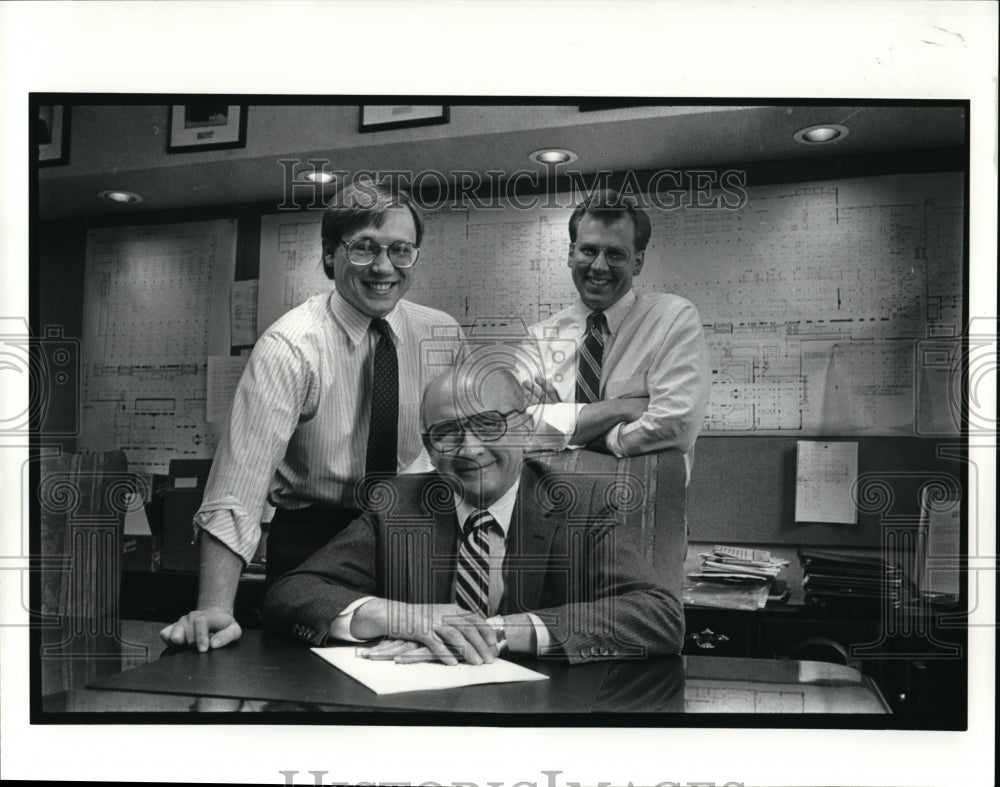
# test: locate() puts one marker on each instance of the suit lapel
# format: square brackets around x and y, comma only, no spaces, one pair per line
[443,558]
[529,542]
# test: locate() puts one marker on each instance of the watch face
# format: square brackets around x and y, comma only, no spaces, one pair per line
[497,624]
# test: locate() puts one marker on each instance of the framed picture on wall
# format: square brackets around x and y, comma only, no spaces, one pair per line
[52,128]
[383,117]
[206,126]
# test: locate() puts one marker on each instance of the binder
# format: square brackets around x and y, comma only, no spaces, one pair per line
[832,579]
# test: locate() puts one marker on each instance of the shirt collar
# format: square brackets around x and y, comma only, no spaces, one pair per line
[355,324]
[501,511]
[615,314]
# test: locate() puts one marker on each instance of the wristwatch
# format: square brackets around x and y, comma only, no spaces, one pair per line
[496,623]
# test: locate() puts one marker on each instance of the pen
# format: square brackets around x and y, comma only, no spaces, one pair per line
[403,656]
[380,656]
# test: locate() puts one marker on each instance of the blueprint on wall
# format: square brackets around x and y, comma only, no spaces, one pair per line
[156,305]
[812,295]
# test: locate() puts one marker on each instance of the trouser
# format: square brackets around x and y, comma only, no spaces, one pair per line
[295,535]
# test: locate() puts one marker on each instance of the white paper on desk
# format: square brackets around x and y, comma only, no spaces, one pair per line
[388,677]
[824,478]
[224,372]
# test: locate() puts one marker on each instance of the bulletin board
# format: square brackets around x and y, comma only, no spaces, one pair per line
[758,476]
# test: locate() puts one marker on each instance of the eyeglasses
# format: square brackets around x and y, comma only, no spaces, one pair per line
[363,251]
[448,436]
[615,256]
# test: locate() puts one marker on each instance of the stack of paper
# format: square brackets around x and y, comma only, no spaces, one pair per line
[833,579]
[738,564]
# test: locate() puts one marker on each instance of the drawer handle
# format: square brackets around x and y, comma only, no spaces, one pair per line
[708,639]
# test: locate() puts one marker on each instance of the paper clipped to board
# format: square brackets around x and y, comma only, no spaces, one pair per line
[388,677]
[243,313]
[824,477]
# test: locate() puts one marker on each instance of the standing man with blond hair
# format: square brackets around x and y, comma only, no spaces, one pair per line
[639,378]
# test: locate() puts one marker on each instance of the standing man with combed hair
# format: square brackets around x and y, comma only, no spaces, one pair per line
[331,394]
[638,381]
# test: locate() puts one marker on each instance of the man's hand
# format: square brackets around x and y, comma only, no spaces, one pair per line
[540,391]
[598,417]
[398,650]
[449,632]
[204,628]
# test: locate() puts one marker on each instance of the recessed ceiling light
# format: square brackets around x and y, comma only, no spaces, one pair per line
[117,195]
[820,134]
[317,176]
[552,156]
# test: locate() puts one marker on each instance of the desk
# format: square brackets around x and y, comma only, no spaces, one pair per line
[916,655]
[271,673]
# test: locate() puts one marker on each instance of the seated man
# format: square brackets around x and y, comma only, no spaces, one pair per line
[490,552]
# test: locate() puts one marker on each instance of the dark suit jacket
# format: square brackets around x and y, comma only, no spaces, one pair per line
[567,562]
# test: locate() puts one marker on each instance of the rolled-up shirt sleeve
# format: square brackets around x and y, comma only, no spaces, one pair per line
[230,523]
[277,389]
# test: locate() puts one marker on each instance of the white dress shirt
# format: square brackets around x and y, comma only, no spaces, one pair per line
[298,429]
[655,348]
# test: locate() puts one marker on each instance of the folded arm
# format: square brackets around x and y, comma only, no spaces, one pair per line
[562,424]
[678,382]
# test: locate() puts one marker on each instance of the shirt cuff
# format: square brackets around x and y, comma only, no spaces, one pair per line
[230,523]
[554,423]
[613,440]
[543,637]
[340,628]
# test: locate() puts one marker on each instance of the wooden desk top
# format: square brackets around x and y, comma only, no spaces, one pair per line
[264,672]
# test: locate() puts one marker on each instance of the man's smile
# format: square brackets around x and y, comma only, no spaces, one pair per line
[473,467]
[379,286]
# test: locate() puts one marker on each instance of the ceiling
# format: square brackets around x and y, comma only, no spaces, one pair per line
[124,147]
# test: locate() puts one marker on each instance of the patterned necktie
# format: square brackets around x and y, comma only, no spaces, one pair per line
[472,580]
[383,425]
[589,359]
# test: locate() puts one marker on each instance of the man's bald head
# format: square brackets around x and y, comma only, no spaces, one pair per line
[467,414]
[466,390]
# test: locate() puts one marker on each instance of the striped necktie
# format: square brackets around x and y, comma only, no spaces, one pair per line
[383,424]
[472,579]
[589,359]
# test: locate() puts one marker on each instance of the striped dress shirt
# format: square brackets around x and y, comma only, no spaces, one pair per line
[298,429]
